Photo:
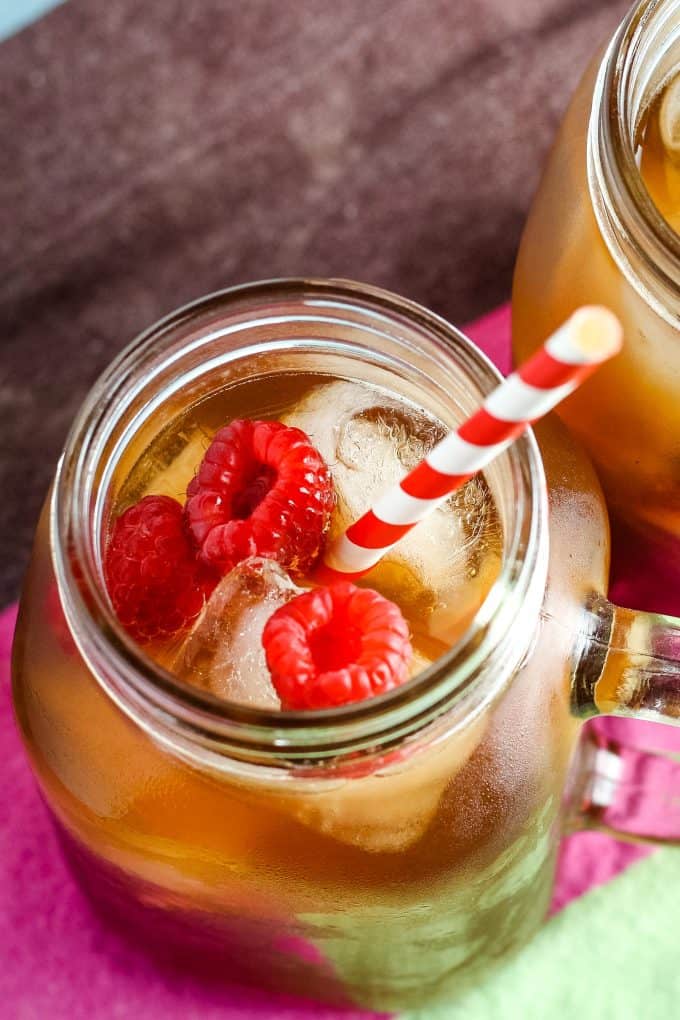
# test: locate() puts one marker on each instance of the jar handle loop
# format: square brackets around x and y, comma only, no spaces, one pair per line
[628,665]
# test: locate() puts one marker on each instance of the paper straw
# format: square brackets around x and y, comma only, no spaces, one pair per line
[590,337]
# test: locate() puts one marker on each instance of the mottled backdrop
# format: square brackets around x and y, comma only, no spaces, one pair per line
[150,152]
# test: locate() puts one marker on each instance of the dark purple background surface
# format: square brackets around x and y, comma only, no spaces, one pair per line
[151,152]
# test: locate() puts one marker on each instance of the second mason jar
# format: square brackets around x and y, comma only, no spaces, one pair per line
[595,235]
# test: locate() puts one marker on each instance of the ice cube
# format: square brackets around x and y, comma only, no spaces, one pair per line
[224,652]
[367,439]
[392,808]
[669,119]
[370,441]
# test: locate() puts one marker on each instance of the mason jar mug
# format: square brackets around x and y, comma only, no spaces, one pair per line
[382,853]
[603,229]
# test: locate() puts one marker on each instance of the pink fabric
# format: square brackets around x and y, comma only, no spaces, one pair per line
[59,961]
[492,334]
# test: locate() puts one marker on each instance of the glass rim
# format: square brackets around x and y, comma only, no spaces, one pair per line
[228,726]
[632,214]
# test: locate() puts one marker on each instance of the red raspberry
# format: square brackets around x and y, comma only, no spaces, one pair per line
[156,584]
[334,645]
[262,489]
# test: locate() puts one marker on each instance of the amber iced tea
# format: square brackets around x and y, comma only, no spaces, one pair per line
[438,576]
[658,152]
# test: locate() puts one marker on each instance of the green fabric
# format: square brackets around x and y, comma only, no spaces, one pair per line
[614,953]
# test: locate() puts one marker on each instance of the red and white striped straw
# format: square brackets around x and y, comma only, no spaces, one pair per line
[590,337]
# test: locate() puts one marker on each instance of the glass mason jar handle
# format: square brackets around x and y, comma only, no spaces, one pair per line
[628,664]
[625,792]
